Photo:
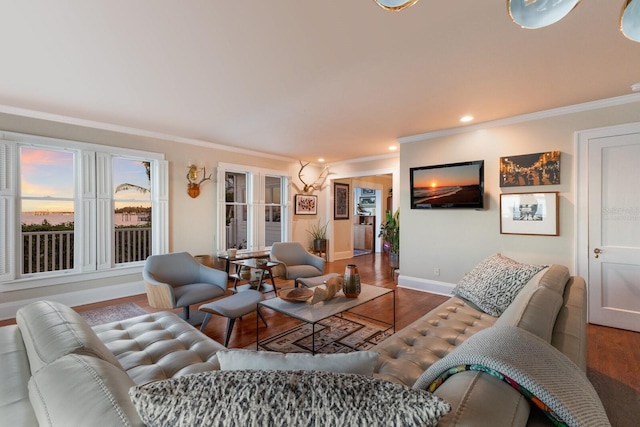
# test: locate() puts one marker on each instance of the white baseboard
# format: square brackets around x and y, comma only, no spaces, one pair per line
[8,310]
[424,285]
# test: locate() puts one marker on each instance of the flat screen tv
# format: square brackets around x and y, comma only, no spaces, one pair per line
[453,185]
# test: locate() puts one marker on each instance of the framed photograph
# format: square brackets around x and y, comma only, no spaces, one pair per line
[530,169]
[340,201]
[368,202]
[368,192]
[306,204]
[529,213]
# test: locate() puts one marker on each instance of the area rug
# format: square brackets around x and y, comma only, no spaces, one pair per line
[332,335]
[112,313]
[621,402]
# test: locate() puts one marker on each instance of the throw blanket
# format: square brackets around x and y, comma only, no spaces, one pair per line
[529,364]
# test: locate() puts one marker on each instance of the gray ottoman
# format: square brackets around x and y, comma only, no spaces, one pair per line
[232,307]
[310,282]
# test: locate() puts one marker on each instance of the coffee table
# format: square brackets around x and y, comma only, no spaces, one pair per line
[314,313]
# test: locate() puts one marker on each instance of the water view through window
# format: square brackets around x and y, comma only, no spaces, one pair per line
[48,179]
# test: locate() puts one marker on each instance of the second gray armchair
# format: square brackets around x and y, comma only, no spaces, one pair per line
[296,260]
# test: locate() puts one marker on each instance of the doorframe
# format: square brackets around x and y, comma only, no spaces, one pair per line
[582,189]
[395,184]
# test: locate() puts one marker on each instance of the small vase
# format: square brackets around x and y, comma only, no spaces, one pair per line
[351,286]
[245,273]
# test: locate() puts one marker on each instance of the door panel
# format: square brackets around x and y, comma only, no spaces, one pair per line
[614,231]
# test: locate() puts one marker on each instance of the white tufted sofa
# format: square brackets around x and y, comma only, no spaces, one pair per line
[552,306]
[57,370]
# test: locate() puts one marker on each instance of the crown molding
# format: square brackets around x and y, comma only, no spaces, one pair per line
[23,112]
[561,111]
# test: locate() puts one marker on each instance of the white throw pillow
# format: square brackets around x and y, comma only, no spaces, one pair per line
[495,282]
[358,362]
[284,398]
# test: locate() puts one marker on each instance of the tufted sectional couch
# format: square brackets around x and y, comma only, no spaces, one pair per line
[552,306]
[57,370]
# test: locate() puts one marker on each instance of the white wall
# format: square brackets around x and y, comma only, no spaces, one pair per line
[455,240]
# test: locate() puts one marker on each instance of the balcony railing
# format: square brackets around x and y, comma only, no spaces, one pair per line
[46,251]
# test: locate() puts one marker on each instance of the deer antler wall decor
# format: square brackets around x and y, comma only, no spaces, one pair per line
[316,184]
[193,185]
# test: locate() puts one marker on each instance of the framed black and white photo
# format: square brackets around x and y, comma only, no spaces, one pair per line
[529,213]
[306,204]
[340,201]
[368,192]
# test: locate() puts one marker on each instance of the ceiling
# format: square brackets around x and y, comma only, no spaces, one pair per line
[337,79]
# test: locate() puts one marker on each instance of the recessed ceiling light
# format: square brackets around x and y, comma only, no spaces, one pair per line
[321,160]
[465,119]
[393,147]
[635,87]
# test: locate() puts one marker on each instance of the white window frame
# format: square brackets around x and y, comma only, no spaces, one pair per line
[255,205]
[93,232]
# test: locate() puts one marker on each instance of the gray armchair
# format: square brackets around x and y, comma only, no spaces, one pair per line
[296,260]
[178,280]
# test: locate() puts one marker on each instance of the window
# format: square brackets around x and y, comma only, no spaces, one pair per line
[254,207]
[71,207]
[132,214]
[47,209]
[273,210]
[236,209]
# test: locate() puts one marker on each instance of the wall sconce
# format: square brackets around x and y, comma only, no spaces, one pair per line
[193,185]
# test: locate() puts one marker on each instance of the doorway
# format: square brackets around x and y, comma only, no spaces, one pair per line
[608,224]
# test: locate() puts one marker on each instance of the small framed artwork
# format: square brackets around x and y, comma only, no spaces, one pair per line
[306,204]
[368,202]
[530,169]
[529,213]
[368,192]
[340,201]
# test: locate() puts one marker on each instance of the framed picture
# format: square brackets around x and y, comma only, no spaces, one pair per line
[340,201]
[306,204]
[529,213]
[368,202]
[530,169]
[368,192]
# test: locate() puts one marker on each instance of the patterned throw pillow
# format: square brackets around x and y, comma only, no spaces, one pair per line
[494,283]
[284,398]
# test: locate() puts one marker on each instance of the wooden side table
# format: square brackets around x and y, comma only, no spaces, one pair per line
[242,256]
[265,271]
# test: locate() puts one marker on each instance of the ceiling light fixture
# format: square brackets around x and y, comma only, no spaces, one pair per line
[541,13]
[393,148]
[630,20]
[395,4]
[465,119]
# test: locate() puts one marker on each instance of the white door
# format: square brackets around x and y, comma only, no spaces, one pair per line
[614,230]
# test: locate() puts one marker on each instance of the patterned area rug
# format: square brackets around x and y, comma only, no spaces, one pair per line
[112,313]
[332,335]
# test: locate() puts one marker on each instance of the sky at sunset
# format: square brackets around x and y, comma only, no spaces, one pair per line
[446,177]
[50,174]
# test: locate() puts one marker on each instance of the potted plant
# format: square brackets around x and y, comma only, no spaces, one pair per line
[319,235]
[390,233]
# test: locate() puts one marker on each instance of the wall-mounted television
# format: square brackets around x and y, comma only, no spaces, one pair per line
[453,185]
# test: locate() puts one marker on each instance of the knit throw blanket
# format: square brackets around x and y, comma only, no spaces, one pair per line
[530,365]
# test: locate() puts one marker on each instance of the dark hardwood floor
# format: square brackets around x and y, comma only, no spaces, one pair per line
[612,352]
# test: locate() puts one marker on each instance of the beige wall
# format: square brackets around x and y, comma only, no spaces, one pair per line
[455,240]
